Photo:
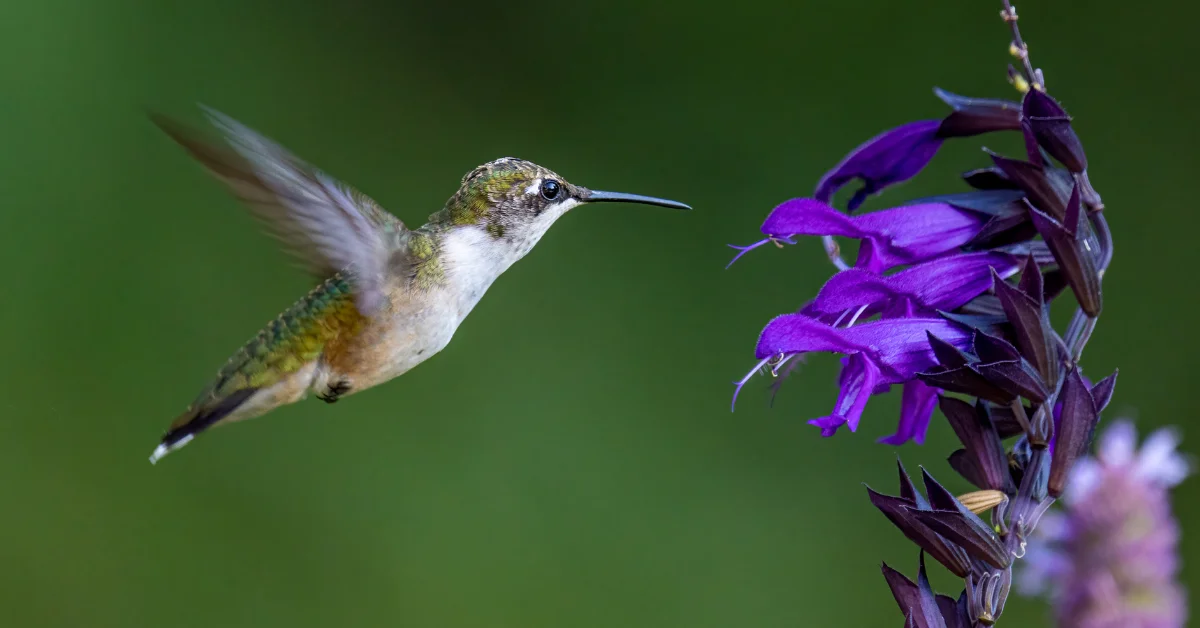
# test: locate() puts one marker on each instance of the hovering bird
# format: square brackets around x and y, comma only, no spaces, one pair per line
[389,297]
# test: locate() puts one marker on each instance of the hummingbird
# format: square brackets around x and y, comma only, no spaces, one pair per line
[387,297]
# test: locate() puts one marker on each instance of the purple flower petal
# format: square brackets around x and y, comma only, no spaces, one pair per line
[891,157]
[914,233]
[942,284]
[899,346]
[880,353]
[850,289]
[950,282]
[796,333]
[916,408]
[1007,217]
[891,237]
[809,216]
[858,379]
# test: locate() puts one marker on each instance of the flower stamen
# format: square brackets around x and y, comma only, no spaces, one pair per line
[854,318]
[757,370]
[783,359]
[834,252]
[742,250]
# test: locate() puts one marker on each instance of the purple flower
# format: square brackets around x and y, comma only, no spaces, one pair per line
[1110,558]
[891,157]
[897,155]
[878,354]
[890,237]
[945,283]
[931,304]
[916,408]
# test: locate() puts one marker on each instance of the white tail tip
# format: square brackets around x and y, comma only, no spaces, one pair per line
[164,449]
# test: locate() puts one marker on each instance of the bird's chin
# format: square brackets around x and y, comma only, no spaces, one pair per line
[563,207]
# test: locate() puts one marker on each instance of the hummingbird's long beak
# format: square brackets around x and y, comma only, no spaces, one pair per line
[598,196]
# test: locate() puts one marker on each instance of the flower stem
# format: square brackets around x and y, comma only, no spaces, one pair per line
[1022,418]
[1034,77]
[1081,339]
[1100,225]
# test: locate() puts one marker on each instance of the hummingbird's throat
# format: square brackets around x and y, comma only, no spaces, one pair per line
[475,255]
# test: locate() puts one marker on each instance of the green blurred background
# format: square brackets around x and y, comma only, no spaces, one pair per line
[570,459]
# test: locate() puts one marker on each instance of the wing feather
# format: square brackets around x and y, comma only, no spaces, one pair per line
[329,226]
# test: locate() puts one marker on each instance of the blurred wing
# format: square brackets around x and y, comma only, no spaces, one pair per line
[329,226]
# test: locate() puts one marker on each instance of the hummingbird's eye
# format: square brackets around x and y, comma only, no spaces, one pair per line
[550,189]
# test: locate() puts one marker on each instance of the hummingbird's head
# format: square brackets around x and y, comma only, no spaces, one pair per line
[518,200]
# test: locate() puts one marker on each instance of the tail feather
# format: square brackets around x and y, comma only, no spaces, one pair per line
[197,419]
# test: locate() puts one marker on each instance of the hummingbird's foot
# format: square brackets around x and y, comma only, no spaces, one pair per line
[335,391]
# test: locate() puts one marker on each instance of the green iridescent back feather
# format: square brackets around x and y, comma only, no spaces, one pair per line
[295,338]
